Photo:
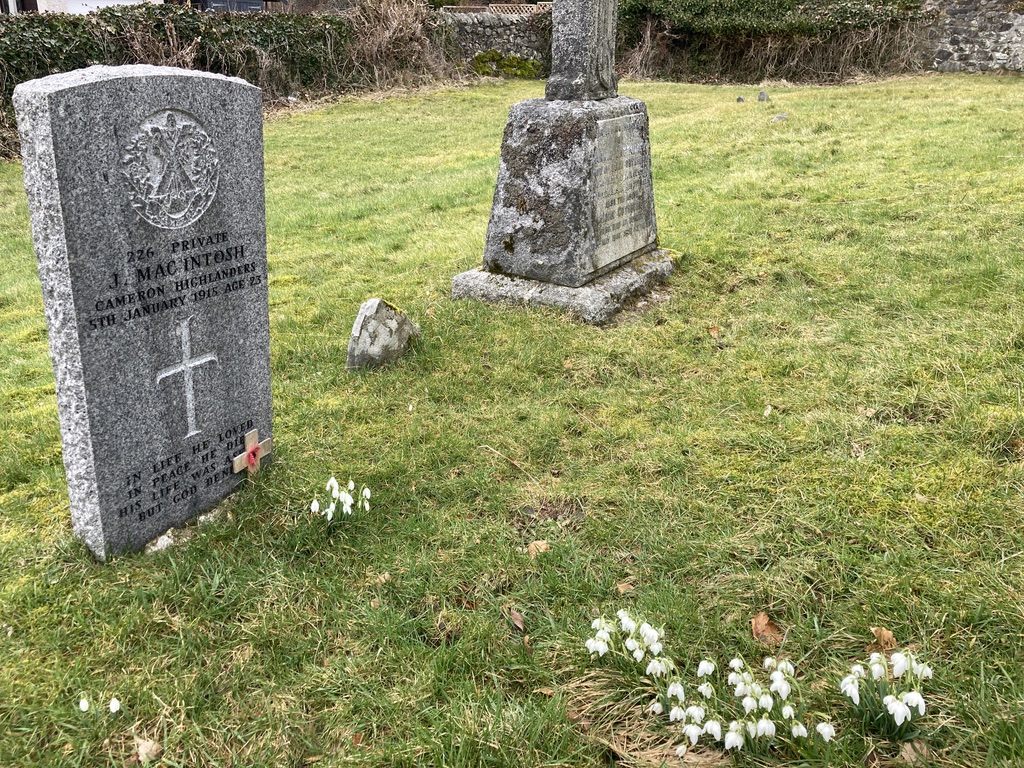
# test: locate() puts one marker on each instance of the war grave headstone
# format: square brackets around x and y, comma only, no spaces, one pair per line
[573,224]
[145,188]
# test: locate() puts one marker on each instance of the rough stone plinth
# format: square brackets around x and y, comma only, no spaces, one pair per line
[582,50]
[574,197]
[145,189]
[380,334]
[595,303]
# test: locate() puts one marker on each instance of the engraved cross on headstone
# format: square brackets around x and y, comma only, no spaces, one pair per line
[185,367]
[582,51]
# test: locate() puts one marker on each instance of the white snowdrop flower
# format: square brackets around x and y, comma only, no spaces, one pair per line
[877,669]
[782,688]
[736,664]
[597,645]
[346,502]
[857,671]
[649,634]
[83,704]
[751,729]
[695,713]
[925,673]
[713,728]
[366,493]
[900,664]
[676,690]
[734,738]
[628,625]
[734,678]
[799,731]
[602,634]
[765,727]
[632,644]
[755,689]
[769,662]
[788,712]
[681,750]
[351,485]
[787,668]
[766,702]
[315,507]
[410,407]
[706,690]
[330,511]
[597,624]
[900,712]
[705,668]
[655,648]
[826,731]
[677,713]
[742,689]
[920,670]
[332,486]
[657,668]
[693,733]
[913,699]
[638,654]
[850,686]
[115,706]
[656,707]
[749,704]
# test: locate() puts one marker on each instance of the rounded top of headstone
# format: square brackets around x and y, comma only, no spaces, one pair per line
[101,73]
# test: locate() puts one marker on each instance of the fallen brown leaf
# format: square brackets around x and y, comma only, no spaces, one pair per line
[624,587]
[765,630]
[147,750]
[914,752]
[920,498]
[383,579]
[545,691]
[537,547]
[713,330]
[884,640]
[867,413]
[357,738]
[375,603]
[516,618]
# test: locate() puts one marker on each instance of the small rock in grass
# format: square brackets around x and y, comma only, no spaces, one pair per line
[780,118]
[380,334]
[762,96]
[740,100]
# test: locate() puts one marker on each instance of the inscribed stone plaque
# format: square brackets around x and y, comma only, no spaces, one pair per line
[145,189]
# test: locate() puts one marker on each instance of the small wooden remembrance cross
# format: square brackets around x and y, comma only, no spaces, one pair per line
[255,450]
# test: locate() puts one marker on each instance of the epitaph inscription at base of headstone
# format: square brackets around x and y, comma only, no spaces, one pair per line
[145,189]
[574,199]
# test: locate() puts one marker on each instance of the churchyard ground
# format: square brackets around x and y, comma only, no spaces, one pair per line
[820,418]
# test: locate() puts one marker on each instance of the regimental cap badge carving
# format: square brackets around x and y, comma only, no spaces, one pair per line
[170,164]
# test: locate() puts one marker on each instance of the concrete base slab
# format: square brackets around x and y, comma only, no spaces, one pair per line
[596,303]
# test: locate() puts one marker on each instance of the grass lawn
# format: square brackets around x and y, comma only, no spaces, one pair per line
[821,419]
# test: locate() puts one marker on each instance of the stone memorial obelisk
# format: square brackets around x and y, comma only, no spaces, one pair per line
[573,224]
[145,189]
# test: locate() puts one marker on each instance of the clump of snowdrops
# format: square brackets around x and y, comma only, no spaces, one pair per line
[344,497]
[755,709]
[887,693]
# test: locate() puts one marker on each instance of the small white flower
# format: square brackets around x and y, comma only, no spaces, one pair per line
[877,670]
[677,713]
[787,668]
[749,704]
[925,673]
[900,664]
[769,662]
[628,625]
[734,738]
[332,486]
[632,644]
[765,727]
[638,654]
[656,707]
[705,668]
[850,686]
[115,706]
[330,511]
[706,690]
[734,678]
[713,728]
[736,664]
[751,729]
[799,731]
[676,690]
[366,493]
[597,624]
[657,668]
[597,645]
[900,712]
[351,485]
[826,731]
[83,705]
[681,750]
[766,702]
[788,713]
[913,700]
[695,713]
[857,671]
[649,634]
[782,687]
[693,733]
[655,648]
[755,689]
[315,507]
[602,634]
[742,689]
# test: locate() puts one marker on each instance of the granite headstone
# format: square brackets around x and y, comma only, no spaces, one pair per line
[145,189]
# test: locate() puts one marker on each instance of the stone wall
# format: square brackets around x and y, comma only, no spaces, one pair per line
[979,35]
[510,34]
